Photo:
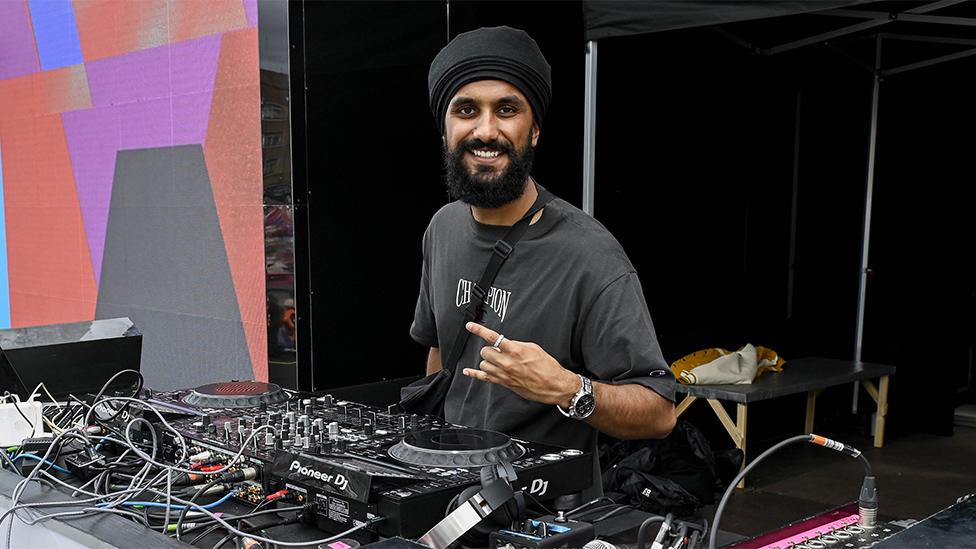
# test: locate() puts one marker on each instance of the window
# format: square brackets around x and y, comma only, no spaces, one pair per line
[272,111]
[269,140]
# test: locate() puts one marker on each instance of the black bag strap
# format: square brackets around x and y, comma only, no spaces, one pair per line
[500,252]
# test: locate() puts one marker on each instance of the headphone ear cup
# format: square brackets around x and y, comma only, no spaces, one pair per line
[477,535]
[463,496]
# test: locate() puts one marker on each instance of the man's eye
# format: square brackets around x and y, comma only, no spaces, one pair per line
[465,111]
[507,110]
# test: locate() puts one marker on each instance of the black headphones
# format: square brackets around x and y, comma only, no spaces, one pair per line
[512,512]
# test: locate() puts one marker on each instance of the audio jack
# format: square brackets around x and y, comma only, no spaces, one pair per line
[867,503]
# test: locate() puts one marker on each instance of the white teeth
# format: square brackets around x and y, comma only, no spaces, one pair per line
[485,154]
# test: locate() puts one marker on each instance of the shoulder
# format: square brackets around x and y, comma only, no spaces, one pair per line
[448,218]
[585,239]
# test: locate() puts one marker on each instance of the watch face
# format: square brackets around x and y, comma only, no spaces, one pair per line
[584,406]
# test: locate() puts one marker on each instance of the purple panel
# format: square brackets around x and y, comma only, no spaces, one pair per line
[93,136]
[185,67]
[146,124]
[251,10]
[18,54]
[192,113]
[135,76]
[158,97]
[194,64]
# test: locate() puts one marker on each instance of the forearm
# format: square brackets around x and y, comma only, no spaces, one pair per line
[631,411]
[433,360]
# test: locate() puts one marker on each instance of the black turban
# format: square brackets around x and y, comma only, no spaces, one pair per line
[492,53]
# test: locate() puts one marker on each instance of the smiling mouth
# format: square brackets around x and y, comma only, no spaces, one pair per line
[485,154]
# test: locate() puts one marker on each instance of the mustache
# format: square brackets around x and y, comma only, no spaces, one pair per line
[502,146]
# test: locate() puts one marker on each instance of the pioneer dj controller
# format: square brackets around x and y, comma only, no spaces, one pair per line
[356,462]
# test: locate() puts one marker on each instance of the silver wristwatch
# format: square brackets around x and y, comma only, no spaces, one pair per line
[583,402]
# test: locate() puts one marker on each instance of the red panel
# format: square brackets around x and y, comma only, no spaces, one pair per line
[107,28]
[16,98]
[233,153]
[195,18]
[61,90]
[49,267]
[47,92]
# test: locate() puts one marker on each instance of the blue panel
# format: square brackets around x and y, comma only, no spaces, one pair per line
[4,286]
[56,33]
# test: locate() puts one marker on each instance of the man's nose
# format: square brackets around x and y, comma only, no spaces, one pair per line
[486,128]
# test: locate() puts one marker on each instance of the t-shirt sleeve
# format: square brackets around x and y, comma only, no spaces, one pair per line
[618,341]
[424,327]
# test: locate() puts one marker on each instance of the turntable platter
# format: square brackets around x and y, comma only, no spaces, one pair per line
[456,447]
[235,394]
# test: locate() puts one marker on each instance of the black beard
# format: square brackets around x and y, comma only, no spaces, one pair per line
[486,188]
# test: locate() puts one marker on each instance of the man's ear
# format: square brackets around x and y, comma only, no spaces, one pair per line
[535,134]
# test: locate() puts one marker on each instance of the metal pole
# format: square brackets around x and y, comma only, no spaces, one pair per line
[794,206]
[866,236]
[589,129]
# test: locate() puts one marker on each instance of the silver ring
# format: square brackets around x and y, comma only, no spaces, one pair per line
[498,342]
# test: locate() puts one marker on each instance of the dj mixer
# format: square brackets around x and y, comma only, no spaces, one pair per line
[356,463]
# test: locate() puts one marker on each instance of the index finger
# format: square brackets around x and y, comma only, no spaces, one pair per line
[490,336]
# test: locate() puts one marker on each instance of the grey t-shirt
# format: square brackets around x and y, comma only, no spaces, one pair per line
[568,286]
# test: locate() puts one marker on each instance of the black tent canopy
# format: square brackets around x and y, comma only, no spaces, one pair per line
[607,19]
[938,32]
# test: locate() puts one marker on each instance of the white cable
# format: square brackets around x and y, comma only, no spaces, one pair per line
[42,386]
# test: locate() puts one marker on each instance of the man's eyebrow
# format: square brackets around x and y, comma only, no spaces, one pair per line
[462,101]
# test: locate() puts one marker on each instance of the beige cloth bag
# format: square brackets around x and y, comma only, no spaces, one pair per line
[737,368]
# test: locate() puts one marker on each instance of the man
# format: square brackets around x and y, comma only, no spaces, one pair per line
[565,308]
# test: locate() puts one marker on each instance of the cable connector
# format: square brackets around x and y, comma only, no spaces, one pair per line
[834,445]
[202,456]
[247,473]
[216,489]
[867,503]
[248,542]
[665,527]
[277,495]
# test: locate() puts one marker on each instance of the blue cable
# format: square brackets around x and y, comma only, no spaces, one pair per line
[42,460]
[226,497]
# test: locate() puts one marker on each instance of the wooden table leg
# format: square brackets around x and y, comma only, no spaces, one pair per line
[740,423]
[684,404]
[879,417]
[880,396]
[811,410]
[736,430]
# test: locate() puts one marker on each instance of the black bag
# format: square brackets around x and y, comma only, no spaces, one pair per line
[426,395]
[676,474]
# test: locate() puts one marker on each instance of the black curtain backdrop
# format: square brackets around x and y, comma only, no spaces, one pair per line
[374,164]
[694,175]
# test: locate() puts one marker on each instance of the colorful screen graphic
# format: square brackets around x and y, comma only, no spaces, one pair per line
[131,176]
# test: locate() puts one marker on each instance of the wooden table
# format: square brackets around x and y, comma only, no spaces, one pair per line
[810,375]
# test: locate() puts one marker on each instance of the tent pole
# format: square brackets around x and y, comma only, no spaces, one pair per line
[868,193]
[589,129]
[791,273]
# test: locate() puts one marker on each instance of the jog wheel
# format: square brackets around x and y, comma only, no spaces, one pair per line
[235,394]
[456,447]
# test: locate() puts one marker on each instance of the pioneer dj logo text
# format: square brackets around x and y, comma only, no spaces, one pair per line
[539,486]
[496,300]
[340,481]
